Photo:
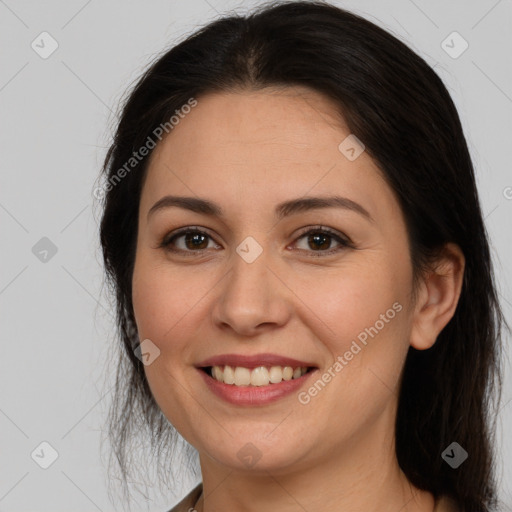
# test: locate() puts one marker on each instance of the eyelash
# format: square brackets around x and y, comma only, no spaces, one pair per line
[343,241]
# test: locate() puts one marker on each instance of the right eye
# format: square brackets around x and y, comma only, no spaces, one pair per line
[194,241]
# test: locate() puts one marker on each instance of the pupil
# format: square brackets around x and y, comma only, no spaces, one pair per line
[316,237]
[193,237]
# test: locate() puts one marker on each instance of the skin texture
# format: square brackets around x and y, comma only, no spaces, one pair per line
[249,151]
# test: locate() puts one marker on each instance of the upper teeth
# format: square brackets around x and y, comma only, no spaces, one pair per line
[260,376]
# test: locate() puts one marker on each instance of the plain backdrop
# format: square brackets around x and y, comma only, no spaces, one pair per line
[57,114]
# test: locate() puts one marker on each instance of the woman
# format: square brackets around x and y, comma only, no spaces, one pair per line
[304,289]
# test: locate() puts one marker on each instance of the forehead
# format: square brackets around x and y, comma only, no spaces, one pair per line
[257,145]
[289,117]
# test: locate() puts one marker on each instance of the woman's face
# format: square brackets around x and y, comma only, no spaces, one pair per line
[254,282]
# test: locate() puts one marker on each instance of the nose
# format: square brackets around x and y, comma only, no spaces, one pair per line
[252,298]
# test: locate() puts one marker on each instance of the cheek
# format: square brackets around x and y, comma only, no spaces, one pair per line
[354,299]
[367,339]
[149,301]
[160,300]
[164,311]
[362,314]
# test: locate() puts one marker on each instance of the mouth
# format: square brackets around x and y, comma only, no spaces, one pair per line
[254,380]
[250,380]
[259,376]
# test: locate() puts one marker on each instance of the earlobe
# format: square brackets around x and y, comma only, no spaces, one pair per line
[438,297]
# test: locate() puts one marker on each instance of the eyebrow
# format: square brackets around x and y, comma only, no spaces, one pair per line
[284,209]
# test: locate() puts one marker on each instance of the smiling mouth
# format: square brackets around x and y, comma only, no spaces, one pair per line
[255,377]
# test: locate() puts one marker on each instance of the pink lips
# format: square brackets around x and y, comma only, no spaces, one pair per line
[253,395]
[253,361]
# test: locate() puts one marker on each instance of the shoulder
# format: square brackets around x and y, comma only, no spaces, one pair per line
[446,504]
[188,502]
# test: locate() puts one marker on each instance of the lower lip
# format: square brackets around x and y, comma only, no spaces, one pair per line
[254,395]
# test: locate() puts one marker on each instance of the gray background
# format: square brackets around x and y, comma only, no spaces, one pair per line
[57,115]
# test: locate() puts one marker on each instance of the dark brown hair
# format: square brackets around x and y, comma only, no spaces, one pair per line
[400,109]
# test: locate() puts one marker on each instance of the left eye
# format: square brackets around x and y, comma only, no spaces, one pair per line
[321,238]
[195,241]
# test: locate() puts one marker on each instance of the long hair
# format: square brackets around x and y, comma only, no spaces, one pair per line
[400,109]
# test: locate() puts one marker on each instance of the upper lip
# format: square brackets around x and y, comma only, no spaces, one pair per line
[253,361]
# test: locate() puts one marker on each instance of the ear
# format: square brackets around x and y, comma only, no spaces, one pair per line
[438,295]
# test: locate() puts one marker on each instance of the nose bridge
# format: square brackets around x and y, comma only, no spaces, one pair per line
[248,280]
[251,294]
